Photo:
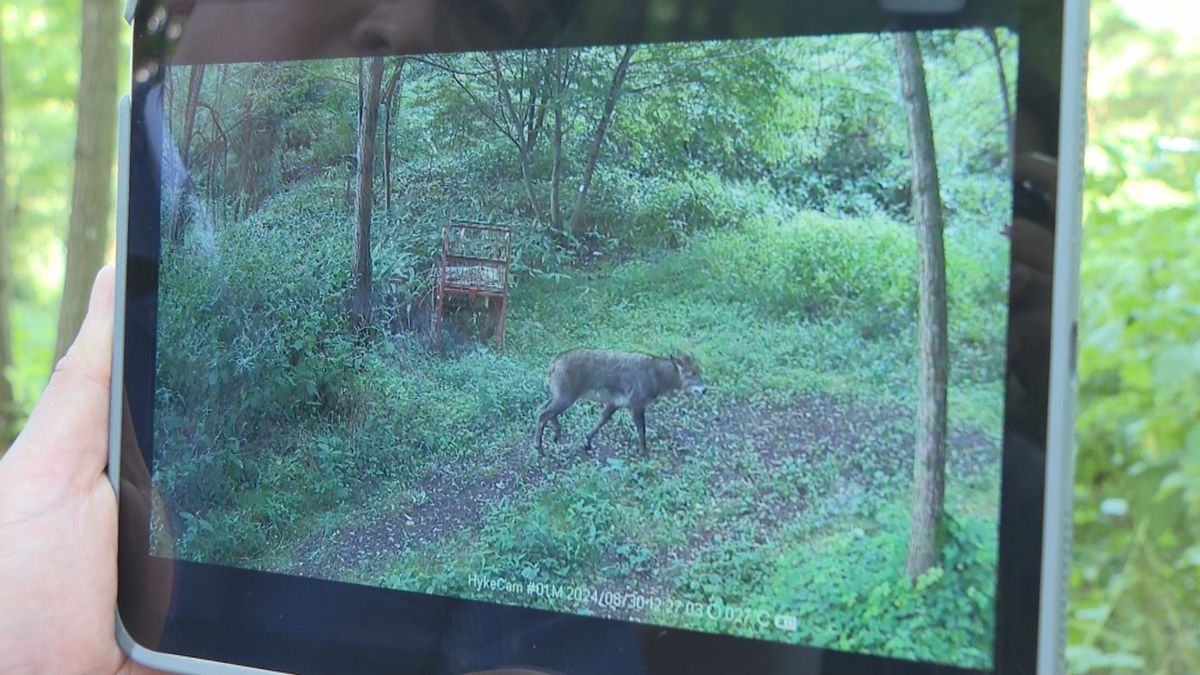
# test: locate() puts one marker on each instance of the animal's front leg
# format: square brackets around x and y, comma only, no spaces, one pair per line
[604,418]
[639,420]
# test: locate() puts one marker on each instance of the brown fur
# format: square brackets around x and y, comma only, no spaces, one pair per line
[618,380]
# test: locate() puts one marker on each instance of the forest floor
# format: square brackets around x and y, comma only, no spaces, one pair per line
[721,447]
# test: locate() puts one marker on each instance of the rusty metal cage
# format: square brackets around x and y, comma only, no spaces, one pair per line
[475,263]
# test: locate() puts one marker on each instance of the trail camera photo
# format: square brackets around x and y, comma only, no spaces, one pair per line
[706,335]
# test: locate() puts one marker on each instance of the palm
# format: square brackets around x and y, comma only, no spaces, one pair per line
[58,520]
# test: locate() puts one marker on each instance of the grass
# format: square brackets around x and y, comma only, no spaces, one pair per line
[370,459]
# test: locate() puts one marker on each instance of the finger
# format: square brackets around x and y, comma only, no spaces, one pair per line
[66,438]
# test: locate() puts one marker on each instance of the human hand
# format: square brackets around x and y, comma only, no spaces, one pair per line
[58,517]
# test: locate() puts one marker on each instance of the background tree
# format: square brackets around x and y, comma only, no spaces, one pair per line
[364,193]
[41,69]
[391,93]
[191,105]
[195,83]
[1010,123]
[614,94]
[511,94]
[564,97]
[95,148]
[560,76]
[8,402]
[929,467]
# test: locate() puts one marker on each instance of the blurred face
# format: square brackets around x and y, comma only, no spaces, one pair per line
[262,30]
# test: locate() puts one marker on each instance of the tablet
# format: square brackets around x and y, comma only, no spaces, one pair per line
[568,336]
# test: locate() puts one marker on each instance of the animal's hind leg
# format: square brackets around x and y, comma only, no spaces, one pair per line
[549,415]
[639,420]
[604,418]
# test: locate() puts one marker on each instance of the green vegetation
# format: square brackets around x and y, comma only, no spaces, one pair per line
[41,62]
[1135,601]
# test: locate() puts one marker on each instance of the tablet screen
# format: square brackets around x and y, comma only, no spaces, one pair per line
[400,298]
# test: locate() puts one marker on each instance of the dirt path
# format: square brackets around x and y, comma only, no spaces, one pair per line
[875,440]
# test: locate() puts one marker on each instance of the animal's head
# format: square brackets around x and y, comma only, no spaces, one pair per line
[689,374]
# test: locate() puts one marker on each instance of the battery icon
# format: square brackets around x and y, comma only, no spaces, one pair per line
[786,622]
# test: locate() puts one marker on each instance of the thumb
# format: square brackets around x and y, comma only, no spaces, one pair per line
[65,440]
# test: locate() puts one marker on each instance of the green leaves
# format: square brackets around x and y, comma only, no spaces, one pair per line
[1090,659]
[1136,587]
[41,72]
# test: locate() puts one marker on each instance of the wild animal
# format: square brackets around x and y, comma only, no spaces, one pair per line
[617,380]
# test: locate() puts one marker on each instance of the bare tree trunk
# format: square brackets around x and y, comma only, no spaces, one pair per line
[527,177]
[929,467]
[523,131]
[361,91]
[178,194]
[558,89]
[216,193]
[95,147]
[387,159]
[364,196]
[8,403]
[195,81]
[614,93]
[1002,77]
[389,97]
[556,140]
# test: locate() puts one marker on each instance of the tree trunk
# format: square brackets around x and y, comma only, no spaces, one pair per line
[364,196]
[1002,77]
[95,146]
[195,81]
[929,466]
[589,169]
[8,403]
[521,130]
[389,97]
[178,194]
[558,90]
[556,171]
[387,159]
[527,178]
[217,212]
[361,91]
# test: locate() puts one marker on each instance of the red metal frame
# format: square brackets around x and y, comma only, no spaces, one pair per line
[473,273]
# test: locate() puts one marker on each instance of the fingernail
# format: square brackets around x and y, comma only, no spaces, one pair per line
[94,300]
